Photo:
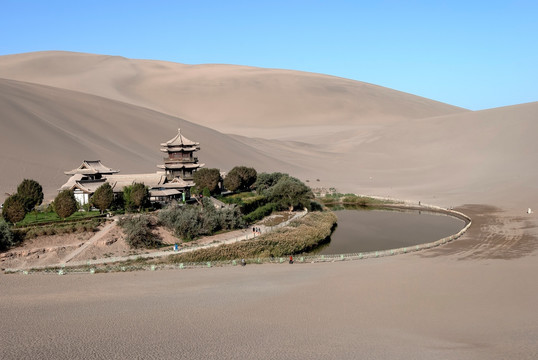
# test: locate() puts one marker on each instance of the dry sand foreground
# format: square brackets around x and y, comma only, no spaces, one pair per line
[404,307]
[472,299]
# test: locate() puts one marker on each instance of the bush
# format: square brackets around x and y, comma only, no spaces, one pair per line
[65,204]
[6,236]
[191,221]
[260,213]
[138,232]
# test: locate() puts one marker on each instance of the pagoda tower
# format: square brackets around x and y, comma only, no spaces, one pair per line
[180,162]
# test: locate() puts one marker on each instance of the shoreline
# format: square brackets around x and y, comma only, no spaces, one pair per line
[92,266]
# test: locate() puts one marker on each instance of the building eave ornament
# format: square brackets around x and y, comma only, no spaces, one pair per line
[179,140]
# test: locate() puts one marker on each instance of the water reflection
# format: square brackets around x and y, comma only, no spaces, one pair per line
[364,230]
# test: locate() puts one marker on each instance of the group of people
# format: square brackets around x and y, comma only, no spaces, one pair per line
[256,231]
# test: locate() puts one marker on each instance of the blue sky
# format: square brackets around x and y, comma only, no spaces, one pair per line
[474,54]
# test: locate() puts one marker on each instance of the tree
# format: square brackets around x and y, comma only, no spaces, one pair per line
[290,192]
[31,192]
[65,204]
[6,236]
[14,209]
[207,178]
[265,181]
[140,196]
[240,178]
[103,197]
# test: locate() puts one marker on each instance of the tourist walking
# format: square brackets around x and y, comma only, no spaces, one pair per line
[291,259]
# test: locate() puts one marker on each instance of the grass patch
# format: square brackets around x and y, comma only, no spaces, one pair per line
[42,218]
[353,199]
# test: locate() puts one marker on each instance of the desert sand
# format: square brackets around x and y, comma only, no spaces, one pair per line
[472,299]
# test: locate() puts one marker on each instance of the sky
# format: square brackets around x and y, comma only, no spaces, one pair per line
[473,54]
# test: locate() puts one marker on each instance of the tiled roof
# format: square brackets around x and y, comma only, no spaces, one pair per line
[91,167]
[180,140]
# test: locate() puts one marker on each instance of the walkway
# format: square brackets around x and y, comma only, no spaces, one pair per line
[225,238]
[91,241]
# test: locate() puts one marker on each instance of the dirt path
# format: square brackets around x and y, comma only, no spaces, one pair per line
[206,242]
[99,235]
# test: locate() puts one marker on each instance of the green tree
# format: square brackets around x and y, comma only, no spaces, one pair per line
[291,193]
[265,181]
[31,192]
[140,196]
[65,204]
[240,178]
[207,178]
[14,209]
[6,236]
[103,197]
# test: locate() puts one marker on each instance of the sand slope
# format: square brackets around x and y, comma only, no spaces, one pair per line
[233,99]
[46,131]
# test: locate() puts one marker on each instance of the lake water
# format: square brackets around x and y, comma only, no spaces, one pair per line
[372,230]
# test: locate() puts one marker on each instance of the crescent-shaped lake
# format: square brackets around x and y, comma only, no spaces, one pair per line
[361,230]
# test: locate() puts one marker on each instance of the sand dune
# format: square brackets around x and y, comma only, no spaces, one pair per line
[354,136]
[46,131]
[471,299]
[232,99]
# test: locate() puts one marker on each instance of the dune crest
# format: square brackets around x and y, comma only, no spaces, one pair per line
[233,99]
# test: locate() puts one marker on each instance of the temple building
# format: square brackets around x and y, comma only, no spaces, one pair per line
[180,162]
[174,183]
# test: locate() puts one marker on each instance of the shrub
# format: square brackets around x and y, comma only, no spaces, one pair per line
[31,233]
[191,221]
[260,213]
[6,236]
[65,204]
[138,232]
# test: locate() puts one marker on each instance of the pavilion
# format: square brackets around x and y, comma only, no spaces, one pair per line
[174,183]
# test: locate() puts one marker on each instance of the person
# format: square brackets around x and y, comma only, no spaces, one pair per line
[291,259]
[243,262]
